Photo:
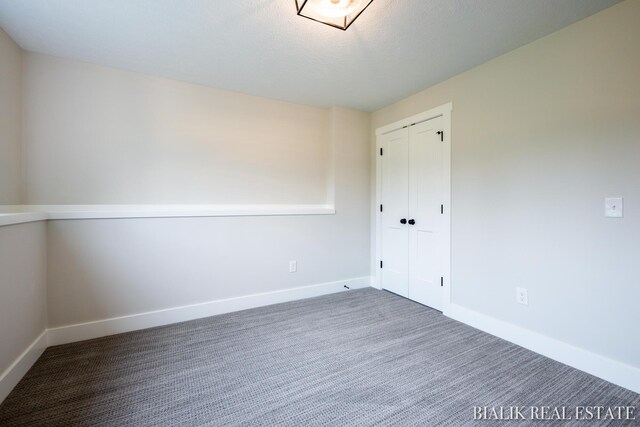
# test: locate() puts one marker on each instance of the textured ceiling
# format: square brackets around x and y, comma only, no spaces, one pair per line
[260,47]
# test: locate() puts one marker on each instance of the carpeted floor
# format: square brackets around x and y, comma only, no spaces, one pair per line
[358,358]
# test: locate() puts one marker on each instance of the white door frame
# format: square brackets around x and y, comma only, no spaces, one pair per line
[443,111]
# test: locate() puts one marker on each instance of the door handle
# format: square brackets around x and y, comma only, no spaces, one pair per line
[412,222]
[403,221]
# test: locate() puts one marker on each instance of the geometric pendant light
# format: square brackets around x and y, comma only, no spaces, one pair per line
[335,13]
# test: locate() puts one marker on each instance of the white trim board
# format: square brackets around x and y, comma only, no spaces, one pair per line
[117,325]
[14,373]
[29,213]
[619,373]
[173,211]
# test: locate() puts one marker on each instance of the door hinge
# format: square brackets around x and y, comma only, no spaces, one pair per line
[442,281]
[380,264]
[381,151]
[380,208]
[441,133]
[441,209]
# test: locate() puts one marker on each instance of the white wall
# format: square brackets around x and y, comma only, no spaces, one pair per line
[100,135]
[100,269]
[10,120]
[22,290]
[540,137]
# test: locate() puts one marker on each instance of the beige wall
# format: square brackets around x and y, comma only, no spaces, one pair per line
[96,135]
[10,120]
[540,137]
[100,135]
[22,289]
[100,269]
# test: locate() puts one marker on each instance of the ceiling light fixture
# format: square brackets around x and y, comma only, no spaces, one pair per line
[335,13]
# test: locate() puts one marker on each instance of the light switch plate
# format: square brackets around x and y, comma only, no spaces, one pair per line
[613,207]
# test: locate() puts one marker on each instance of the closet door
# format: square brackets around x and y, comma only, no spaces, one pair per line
[426,186]
[395,202]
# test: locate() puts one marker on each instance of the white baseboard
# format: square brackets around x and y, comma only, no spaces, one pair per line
[14,373]
[116,325]
[610,370]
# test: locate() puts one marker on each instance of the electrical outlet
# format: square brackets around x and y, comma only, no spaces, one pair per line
[521,296]
[613,207]
[293,266]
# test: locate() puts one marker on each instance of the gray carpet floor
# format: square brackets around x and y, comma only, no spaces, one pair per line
[357,358]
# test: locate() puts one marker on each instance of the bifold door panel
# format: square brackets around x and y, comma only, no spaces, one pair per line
[395,233]
[425,199]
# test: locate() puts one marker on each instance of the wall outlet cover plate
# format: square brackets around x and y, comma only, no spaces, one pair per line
[522,296]
[613,207]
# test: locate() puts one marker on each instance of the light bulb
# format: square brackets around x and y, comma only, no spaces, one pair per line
[337,8]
